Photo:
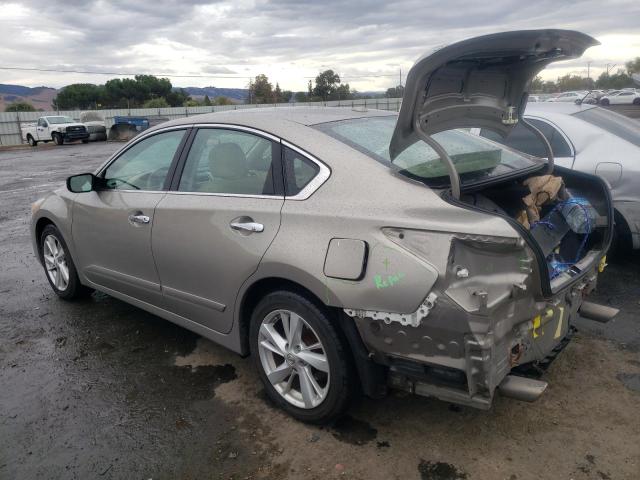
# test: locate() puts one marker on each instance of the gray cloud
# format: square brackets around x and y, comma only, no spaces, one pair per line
[211,38]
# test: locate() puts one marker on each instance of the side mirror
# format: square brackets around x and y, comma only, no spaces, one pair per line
[578,101]
[82,183]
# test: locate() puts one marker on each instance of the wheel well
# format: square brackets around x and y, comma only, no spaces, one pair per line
[372,376]
[29,136]
[261,288]
[40,226]
[621,223]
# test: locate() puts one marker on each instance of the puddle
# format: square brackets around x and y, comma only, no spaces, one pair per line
[353,431]
[630,380]
[439,471]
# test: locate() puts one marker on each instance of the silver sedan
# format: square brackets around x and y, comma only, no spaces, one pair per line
[349,250]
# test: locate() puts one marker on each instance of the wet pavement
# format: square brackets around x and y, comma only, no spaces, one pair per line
[101,389]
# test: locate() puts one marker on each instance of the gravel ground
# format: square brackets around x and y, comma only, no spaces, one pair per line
[101,389]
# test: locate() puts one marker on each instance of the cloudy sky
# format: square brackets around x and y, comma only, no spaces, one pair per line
[366,42]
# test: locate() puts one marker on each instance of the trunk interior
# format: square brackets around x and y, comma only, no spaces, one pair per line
[573,230]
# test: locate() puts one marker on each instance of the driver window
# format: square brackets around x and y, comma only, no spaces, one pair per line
[145,165]
[42,123]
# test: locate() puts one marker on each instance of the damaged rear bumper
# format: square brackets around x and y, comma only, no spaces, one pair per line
[466,358]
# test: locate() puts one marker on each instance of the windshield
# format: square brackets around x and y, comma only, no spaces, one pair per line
[60,119]
[475,158]
[624,127]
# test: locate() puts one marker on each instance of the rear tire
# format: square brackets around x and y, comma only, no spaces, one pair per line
[58,265]
[85,140]
[604,102]
[32,141]
[322,380]
[636,101]
[57,138]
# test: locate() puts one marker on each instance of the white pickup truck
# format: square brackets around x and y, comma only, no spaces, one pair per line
[56,128]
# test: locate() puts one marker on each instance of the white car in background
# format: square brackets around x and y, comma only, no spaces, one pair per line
[569,97]
[592,140]
[624,97]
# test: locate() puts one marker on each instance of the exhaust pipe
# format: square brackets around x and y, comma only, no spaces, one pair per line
[596,312]
[522,388]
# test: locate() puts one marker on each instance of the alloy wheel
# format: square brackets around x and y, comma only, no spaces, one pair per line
[294,359]
[55,262]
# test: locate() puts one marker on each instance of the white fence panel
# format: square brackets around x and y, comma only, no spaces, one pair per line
[11,122]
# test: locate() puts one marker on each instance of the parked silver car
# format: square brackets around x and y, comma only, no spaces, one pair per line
[592,140]
[347,249]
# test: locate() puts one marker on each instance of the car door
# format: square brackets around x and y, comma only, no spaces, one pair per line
[622,98]
[212,229]
[524,140]
[42,130]
[112,226]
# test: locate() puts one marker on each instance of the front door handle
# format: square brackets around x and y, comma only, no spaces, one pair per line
[252,227]
[139,219]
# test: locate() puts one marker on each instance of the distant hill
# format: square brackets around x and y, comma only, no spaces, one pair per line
[39,97]
[198,93]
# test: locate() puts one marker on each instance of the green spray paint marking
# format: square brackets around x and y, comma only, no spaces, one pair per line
[388,280]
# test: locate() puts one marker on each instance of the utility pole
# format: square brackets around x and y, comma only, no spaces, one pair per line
[589,70]
[400,77]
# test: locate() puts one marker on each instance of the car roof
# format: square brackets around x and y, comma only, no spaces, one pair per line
[567,108]
[277,119]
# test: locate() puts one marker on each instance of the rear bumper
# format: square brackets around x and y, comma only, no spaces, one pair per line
[463,357]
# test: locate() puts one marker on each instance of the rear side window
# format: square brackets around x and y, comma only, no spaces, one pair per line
[229,161]
[626,128]
[524,140]
[299,171]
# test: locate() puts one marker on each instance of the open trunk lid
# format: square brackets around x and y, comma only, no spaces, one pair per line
[480,82]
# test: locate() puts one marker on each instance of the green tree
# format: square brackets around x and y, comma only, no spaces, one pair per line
[286,96]
[19,106]
[207,101]
[300,97]
[326,84]
[277,94]
[150,86]
[261,90]
[575,82]
[192,103]
[617,80]
[633,66]
[79,95]
[156,103]
[222,101]
[177,97]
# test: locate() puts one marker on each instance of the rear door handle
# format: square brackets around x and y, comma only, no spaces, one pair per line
[253,227]
[139,219]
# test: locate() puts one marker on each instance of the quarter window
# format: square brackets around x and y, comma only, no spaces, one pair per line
[299,171]
[229,161]
[524,140]
[145,165]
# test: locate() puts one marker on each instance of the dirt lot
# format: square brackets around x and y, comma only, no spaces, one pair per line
[100,389]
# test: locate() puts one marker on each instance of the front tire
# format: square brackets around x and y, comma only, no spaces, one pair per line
[636,101]
[301,358]
[32,141]
[85,140]
[604,102]
[58,265]
[57,138]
